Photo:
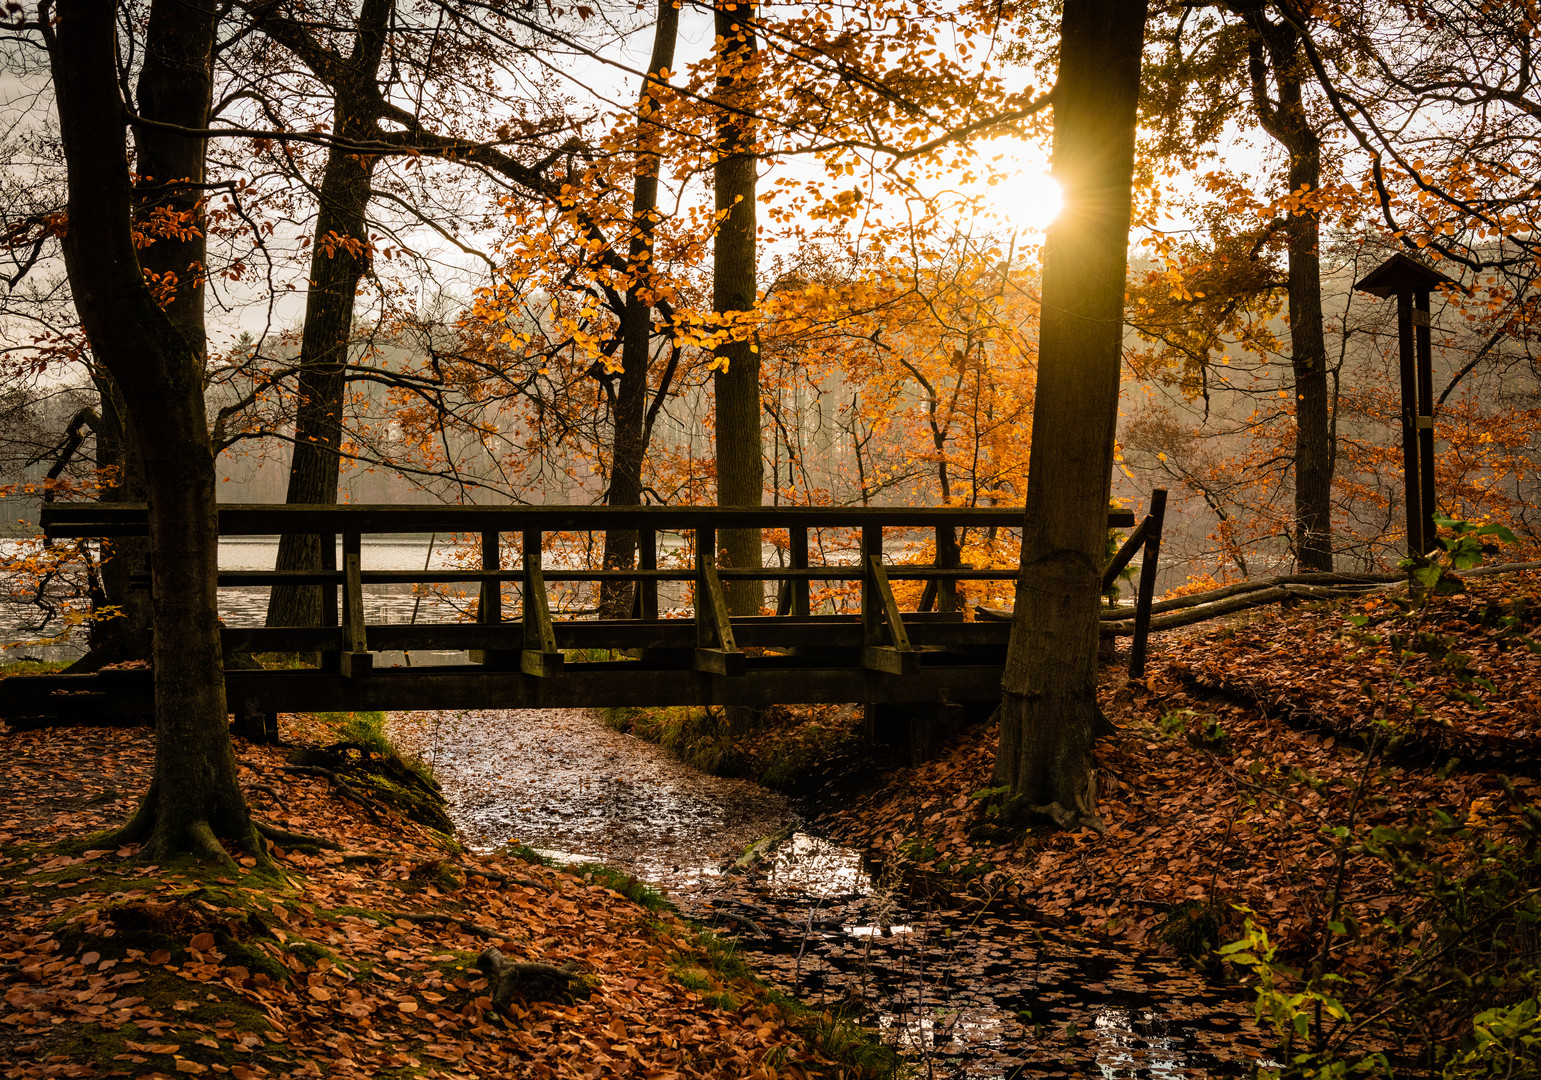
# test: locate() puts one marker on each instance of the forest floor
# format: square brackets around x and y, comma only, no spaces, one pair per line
[1354,774]
[1346,773]
[361,963]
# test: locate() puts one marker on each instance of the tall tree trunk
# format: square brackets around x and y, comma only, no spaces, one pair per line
[1048,711]
[629,446]
[1275,49]
[194,798]
[740,468]
[338,261]
[173,89]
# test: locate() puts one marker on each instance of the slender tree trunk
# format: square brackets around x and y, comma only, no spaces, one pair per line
[339,260]
[1048,713]
[194,798]
[740,468]
[629,447]
[1275,49]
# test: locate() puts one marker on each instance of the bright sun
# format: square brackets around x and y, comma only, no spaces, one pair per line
[1026,196]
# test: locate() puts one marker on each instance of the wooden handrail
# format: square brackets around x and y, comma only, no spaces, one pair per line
[78,520]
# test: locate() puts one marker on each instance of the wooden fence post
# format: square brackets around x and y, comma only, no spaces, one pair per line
[1152,529]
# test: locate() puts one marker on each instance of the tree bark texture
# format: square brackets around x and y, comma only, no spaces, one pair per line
[194,796]
[1049,712]
[740,468]
[1275,50]
[175,86]
[339,259]
[126,636]
[629,445]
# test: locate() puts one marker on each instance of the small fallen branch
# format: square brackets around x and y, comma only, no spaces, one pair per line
[531,981]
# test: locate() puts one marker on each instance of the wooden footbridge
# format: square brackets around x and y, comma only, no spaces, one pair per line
[526,655]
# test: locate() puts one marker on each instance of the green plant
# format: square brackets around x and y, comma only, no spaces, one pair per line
[1447,959]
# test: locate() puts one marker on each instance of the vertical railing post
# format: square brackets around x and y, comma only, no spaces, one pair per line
[1153,521]
[871,600]
[331,659]
[646,606]
[706,555]
[797,538]
[540,656]
[489,608]
[948,557]
[1417,545]
[354,661]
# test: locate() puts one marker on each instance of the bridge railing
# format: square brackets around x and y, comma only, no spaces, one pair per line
[879,636]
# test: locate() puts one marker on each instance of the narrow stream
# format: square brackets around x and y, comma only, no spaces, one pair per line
[964,990]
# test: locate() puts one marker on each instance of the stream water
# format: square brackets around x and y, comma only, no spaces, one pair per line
[964,990]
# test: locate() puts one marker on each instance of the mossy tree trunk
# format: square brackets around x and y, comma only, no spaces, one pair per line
[169,214]
[1048,713]
[194,799]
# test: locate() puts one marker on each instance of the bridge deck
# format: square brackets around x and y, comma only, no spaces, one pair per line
[525,658]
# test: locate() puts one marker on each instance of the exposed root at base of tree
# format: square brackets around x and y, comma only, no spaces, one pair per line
[293,839]
[341,786]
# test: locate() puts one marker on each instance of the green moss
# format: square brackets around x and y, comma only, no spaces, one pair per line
[626,884]
[439,873]
[358,912]
[690,976]
[309,953]
[525,853]
[720,999]
[253,958]
[694,735]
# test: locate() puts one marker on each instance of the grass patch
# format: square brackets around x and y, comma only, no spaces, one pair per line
[793,749]
[627,885]
[696,736]
[524,853]
[33,667]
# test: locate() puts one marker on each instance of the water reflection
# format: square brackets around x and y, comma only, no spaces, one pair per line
[816,867]
[562,782]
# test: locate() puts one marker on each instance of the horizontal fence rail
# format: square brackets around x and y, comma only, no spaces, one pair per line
[522,652]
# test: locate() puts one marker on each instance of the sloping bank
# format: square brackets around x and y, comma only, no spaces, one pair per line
[363,960]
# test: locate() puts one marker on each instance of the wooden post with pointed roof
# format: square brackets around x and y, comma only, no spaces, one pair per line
[1410,281]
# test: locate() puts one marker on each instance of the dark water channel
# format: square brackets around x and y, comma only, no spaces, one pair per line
[963,990]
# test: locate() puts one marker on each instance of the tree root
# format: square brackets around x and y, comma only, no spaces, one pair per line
[506,879]
[1066,819]
[444,918]
[370,858]
[531,981]
[206,845]
[284,836]
[342,787]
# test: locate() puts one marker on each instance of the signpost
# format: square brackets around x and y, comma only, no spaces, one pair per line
[1411,282]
